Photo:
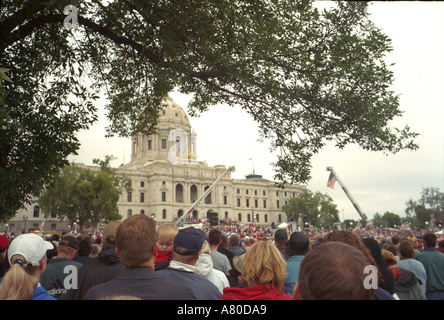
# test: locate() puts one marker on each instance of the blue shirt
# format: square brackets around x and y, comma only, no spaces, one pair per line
[293,266]
[417,268]
[40,293]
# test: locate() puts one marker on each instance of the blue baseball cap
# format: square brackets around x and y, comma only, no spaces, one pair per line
[191,239]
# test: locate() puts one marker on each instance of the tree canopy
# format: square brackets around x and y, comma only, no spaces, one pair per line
[85,195]
[319,208]
[306,76]
[428,208]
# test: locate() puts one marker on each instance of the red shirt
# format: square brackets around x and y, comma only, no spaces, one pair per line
[259,292]
[162,257]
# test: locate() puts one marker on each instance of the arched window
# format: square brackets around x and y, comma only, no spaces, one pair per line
[208,197]
[239,217]
[164,214]
[193,193]
[142,211]
[179,193]
[129,213]
[36,211]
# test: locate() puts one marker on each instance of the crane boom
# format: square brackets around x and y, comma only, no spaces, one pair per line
[179,222]
[355,204]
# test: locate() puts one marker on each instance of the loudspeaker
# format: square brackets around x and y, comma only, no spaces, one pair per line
[213,217]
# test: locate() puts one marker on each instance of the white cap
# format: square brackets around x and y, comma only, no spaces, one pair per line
[31,246]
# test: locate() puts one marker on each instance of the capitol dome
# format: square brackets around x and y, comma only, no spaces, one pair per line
[173,136]
[172,116]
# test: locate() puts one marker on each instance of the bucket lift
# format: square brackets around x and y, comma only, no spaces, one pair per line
[180,221]
[355,204]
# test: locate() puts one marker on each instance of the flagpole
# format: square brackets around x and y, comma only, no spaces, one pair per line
[355,204]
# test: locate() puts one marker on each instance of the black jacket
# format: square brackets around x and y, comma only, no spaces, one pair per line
[98,270]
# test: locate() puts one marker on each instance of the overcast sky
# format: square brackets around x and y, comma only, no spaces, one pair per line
[377,182]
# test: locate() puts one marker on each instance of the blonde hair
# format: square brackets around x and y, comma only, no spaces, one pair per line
[389,257]
[167,231]
[205,248]
[19,282]
[264,265]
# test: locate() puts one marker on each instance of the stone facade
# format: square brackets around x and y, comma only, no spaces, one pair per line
[167,178]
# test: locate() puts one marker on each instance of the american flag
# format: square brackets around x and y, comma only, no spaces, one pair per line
[42,225]
[331,180]
[405,225]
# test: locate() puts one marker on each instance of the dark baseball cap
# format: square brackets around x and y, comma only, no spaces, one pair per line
[191,239]
[70,241]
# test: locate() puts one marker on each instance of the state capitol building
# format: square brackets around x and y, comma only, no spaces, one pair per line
[167,179]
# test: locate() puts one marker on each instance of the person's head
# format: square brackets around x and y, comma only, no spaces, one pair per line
[95,250]
[214,237]
[333,271]
[187,245]
[109,233]
[68,247]
[85,247]
[350,238]
[4,243]
[395,240]
[298,244]
[391,247]
[165,237]
[429,240]
[263,265]
[406,249]
[27,257]
[205,248]
[234,240]
[136,241]
[389,258]
[375,250]
[280,236]
[238,262]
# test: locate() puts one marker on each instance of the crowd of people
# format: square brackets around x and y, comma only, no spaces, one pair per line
[135,259]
